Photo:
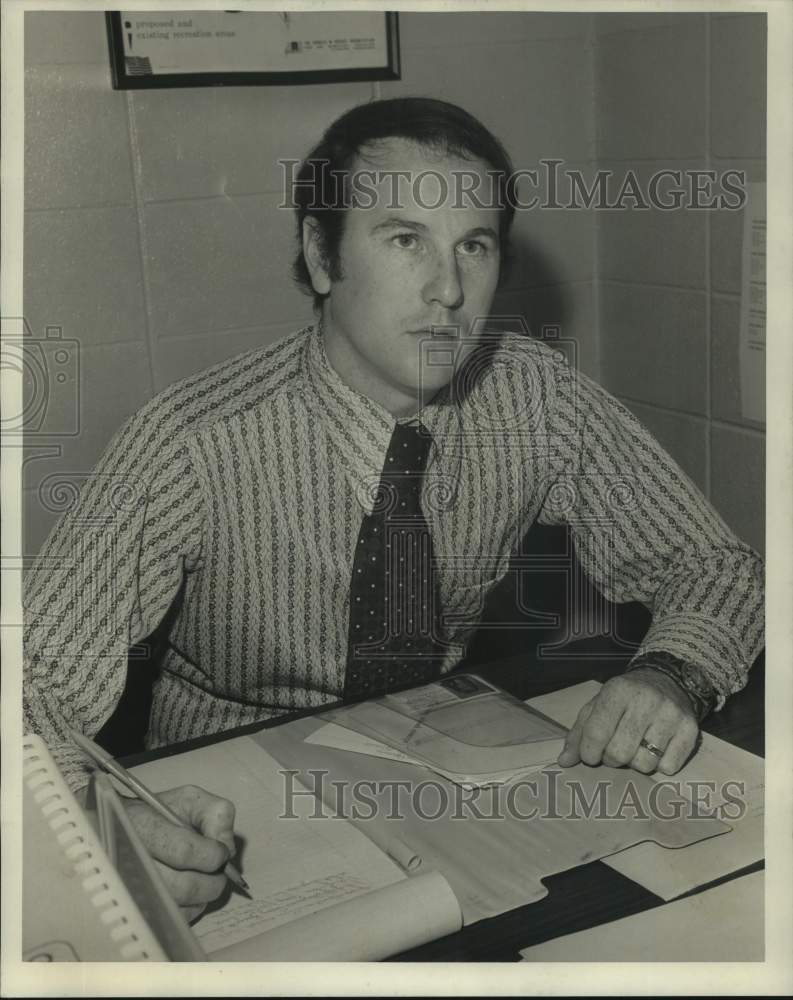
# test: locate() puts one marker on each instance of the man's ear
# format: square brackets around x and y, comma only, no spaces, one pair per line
[315,257]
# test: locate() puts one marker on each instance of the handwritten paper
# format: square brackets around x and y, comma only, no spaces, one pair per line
[365,929]
[293,865]
[244,919]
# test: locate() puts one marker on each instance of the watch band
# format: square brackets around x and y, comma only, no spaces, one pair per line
[688,676]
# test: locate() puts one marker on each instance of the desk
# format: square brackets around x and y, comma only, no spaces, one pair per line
[585,896]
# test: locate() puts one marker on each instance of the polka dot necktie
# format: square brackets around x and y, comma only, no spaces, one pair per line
[394,607]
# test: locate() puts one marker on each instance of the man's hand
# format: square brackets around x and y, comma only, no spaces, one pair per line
[189,860]
[643,704]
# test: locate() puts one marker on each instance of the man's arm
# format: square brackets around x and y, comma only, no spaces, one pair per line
[644,532]
[103,581]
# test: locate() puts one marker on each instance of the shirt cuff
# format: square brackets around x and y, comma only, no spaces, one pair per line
[688,676]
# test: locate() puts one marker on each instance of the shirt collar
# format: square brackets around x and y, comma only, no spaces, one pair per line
[359,428]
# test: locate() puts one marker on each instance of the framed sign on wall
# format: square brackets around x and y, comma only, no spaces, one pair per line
[234,48]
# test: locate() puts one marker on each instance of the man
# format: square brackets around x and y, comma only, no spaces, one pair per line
[247,499]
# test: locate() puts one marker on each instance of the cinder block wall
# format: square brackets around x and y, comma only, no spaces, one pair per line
[682,91]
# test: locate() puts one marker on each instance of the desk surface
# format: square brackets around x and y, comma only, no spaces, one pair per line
[584,896]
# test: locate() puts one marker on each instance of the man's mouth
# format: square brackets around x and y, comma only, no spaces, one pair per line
[439,332]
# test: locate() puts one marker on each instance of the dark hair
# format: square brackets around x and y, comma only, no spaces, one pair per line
[430,123]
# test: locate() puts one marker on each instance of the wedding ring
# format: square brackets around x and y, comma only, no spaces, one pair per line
[656,751]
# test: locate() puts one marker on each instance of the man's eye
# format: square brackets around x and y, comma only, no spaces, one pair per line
[407,241]
[473,248]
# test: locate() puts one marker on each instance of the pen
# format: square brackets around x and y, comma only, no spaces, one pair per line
[112,766]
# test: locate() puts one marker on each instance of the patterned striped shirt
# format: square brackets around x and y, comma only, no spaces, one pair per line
[234,499]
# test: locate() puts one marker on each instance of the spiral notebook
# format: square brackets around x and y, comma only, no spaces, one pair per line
[76,908]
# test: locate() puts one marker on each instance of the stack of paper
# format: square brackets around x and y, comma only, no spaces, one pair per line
[535,755]
[462,728]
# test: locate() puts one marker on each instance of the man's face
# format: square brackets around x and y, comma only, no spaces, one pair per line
[405,269]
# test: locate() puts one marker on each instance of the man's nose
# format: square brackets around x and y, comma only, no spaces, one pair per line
[444,285]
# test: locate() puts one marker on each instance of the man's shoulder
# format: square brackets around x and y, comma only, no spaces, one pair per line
[514,343]
[522,363]
[528,383]
[224,390]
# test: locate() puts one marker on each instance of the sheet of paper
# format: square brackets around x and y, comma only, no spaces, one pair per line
[740,774]
[723,924]
[565,705]
[295,867]
[339,737]
[365,929]
[753,298]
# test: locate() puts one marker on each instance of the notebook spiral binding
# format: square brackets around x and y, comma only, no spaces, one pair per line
[101,885]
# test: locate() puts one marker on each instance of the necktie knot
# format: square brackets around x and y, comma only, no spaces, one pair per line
[408,450]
